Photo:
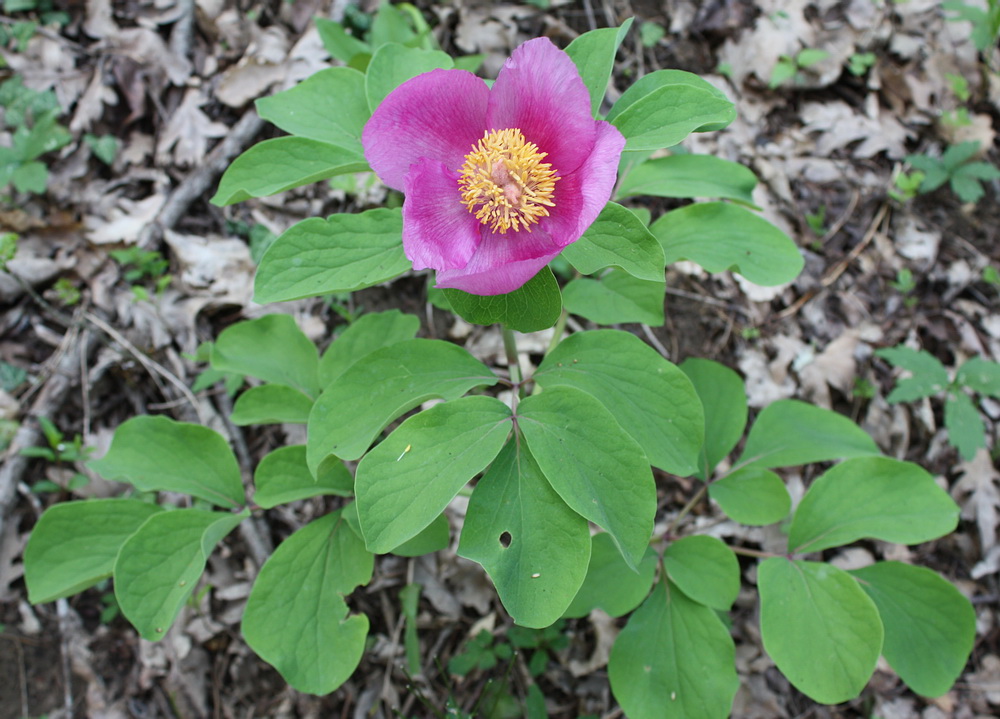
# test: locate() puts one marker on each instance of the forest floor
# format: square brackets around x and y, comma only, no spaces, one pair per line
[123,268]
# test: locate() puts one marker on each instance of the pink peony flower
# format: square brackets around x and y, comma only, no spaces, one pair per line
[497,181]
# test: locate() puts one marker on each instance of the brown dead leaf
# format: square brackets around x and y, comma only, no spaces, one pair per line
[125,221]
[837,125]
[606,631]
[188,131]
[90,107]
[263,65]
[213,265]
[978,495]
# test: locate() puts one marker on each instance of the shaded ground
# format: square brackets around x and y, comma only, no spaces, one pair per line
[171,80]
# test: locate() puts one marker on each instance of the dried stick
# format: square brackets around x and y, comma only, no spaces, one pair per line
[50,399]
[198,182]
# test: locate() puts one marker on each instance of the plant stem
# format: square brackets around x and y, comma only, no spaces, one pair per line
[557,331]
[513,364]
[687,508]
[753,552]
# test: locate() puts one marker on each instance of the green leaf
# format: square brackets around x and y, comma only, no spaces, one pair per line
[329,106]
[871,498]
[158,567]
[673,660]
[343,253]
[271,404]
[338,43]
[390,382]
[296,618]
[819,627]
[720,236]
[929,626]
[408,479]
[394,64]
[705,569]
[432,538]
[282,476]
[724,401]
[662,108]
[789,433]
[690,176]
[533,546]
[617,238]
[593,464]
[810,56]
[616,297]
[273,166]
[649,397]
[74,544]
[532,307]
[610,584]
[980,375]
[929,375]
[752,496]
[271,348]
[594,54]
[30,177]
[362,337]
[155,453]
[966,430]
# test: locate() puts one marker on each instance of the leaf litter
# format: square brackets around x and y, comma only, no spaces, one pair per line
[825,140]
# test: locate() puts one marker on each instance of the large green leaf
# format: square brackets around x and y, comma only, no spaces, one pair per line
[610,584]
[930,626]
[594,465]
[690,176]
[271,348]
[648,396]
[362,337]
[871,498]
[282,476]
[720,236]
[704,569]
[329,106]
[532,307]
[616,297]
[673,660]
[155,453]
[74,544]
[393,64]
[617,238]
[752,495]
[533,546]
[663,107]
[273,166]
[594,54]
[789,432]
[296,618]
[929,375]
[158,567]
[271,404]
[408,479]
[724,402]
[342,253]
[356,406]
[819,627]
[339,44]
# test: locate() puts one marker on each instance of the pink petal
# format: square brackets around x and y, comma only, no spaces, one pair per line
[539,91]
[438,230]
[438,115]
[502,263]
[580,196]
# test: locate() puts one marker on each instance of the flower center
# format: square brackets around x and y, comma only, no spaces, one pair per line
[505,183]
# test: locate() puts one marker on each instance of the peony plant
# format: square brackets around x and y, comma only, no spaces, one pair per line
[560,465]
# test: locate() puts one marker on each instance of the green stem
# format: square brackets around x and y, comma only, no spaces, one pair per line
[513,364]
[557,331]
[687,508]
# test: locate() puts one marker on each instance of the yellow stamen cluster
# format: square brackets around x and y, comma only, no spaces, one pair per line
[505,183]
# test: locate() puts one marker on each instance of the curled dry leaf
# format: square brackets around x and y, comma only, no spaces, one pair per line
[188,131]
[978,494]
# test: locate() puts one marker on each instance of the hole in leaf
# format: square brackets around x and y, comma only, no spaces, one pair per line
[505,540]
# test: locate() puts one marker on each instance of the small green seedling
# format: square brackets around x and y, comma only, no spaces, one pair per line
[985,23]
[861,62]
[480,653]
[904,284]
[817,220]
[143,266]
[929,378]
[651,33]
[31,115]
[789,67]
[59,451]
[906,185]
[957,168]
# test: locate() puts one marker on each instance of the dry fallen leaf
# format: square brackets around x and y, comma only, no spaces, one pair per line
[978,496]
[188,131]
